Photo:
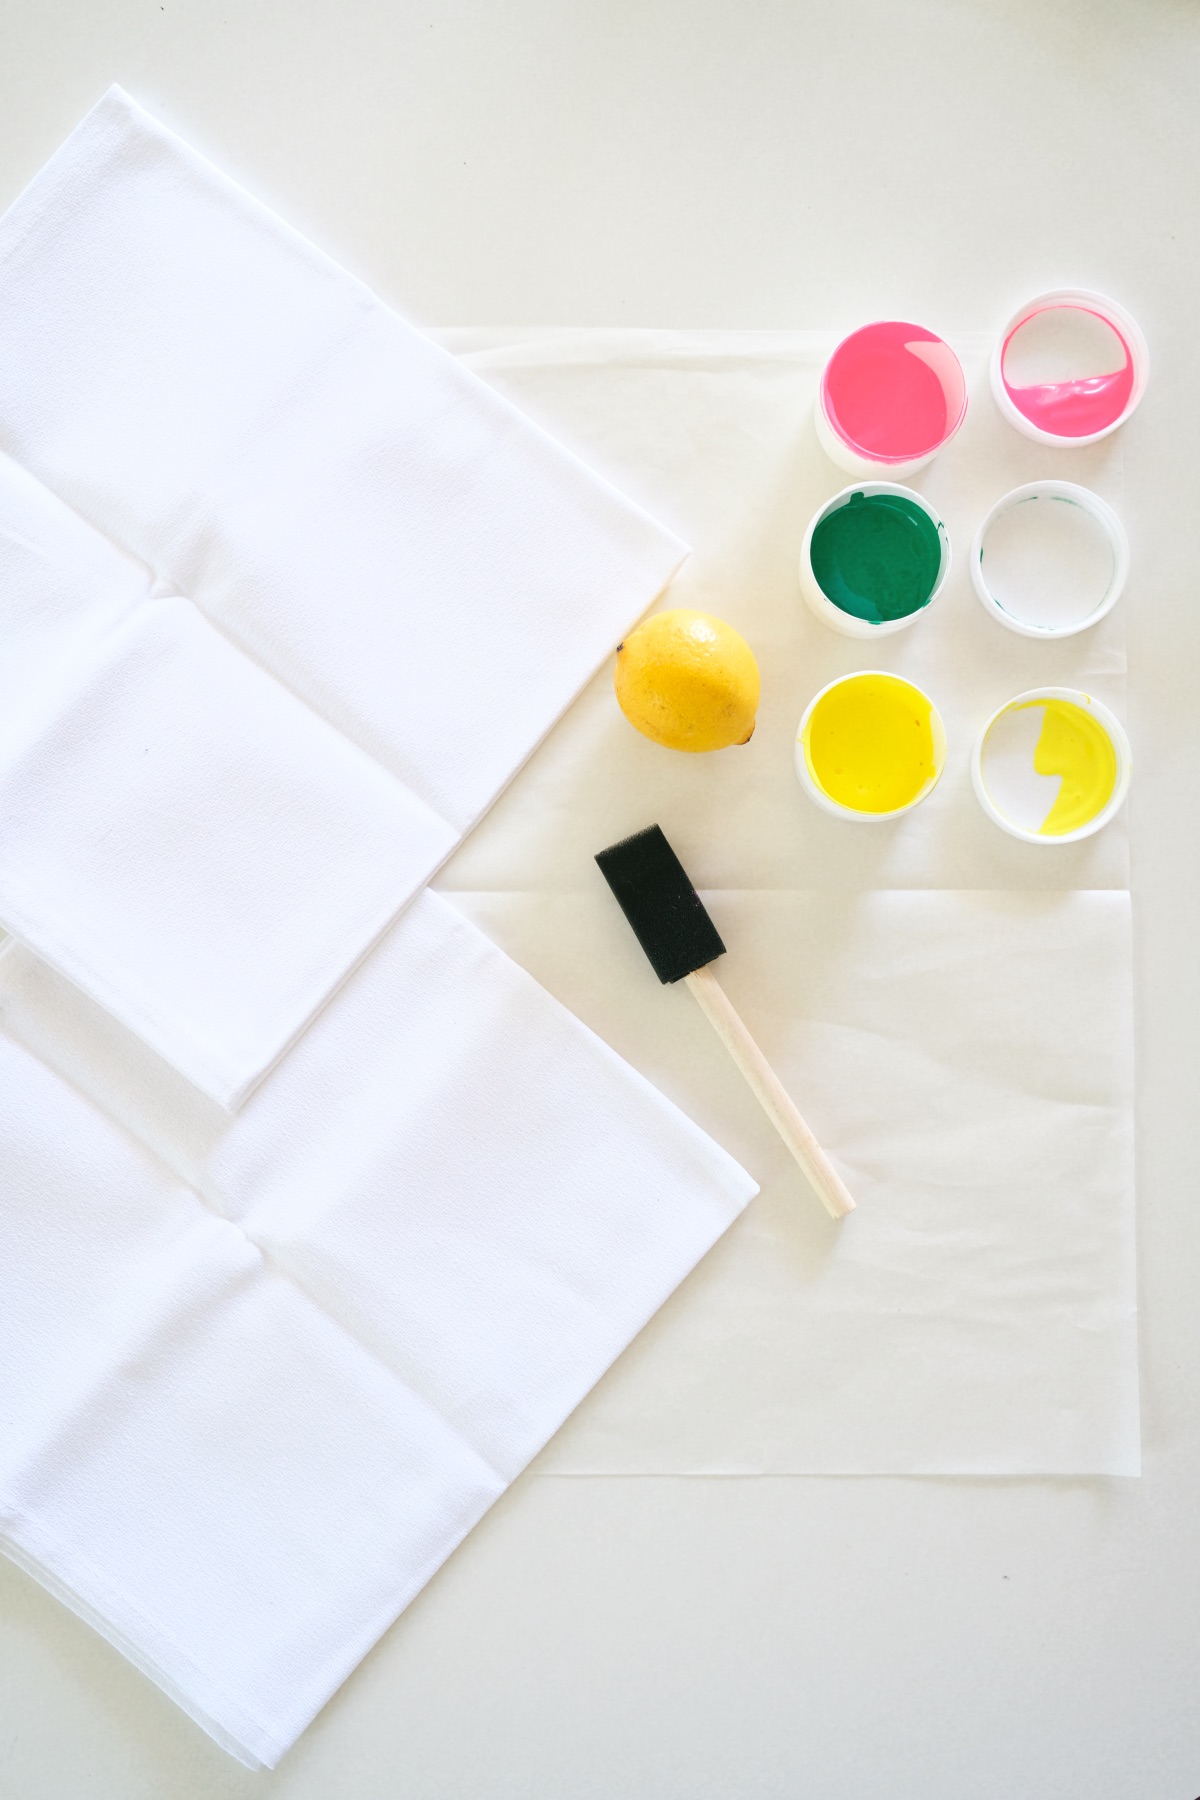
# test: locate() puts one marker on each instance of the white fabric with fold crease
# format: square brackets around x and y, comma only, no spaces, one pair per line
[452,1163]
[286,596]
[393,540]
[345,504]
[239,1444]
[191,844]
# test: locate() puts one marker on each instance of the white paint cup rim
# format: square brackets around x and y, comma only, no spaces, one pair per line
[1092,504]
[1120,743]
[1083,300]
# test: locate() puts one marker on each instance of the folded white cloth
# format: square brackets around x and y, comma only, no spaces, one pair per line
[264,1380]
[61,584]
[412,558]
[377,527]
[447,1159]
[196,848]
[241,1445]
[196,1457]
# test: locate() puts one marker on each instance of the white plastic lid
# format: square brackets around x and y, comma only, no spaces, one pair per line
[1050,559]
[1051,766]
[1069,367]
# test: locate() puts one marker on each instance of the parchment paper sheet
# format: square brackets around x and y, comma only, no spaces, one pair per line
[951,1008]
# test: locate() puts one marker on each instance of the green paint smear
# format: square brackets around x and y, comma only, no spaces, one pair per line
[877,557]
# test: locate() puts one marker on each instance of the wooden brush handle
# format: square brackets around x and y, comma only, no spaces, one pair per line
[770,1092]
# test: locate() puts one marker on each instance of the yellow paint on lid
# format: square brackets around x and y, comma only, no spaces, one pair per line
[1051,766]
[1073,743]
[873,743]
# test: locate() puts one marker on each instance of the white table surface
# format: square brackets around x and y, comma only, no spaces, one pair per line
[750,163]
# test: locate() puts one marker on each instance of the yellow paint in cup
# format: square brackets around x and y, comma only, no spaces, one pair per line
[1076,748]
[870,746]
[1052,766]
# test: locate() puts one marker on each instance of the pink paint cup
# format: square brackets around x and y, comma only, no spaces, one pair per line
[1069,367]
[890,396]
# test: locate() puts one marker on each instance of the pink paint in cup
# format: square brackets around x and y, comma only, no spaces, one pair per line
[1069,367]
[890,396]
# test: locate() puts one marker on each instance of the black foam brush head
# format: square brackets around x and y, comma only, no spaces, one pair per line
[654,893]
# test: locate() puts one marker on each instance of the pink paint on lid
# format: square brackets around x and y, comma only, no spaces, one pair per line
[1074,408]
[893,391]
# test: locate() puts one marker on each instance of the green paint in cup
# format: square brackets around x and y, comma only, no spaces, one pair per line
[877,558]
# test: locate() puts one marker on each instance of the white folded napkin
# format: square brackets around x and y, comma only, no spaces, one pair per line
[367,521]
[242,1444]
[371,522]
[202,1462]
[193,846]
[61,583]
[330,593]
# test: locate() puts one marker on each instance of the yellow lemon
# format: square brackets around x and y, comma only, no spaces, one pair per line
[688,681]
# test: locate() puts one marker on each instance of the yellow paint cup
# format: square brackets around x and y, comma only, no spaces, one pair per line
[1051,766]
[870,746]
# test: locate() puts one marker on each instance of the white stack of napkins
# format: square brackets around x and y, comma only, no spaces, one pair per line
[317,1215]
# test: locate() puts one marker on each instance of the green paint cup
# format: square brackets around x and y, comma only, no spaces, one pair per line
[874,559]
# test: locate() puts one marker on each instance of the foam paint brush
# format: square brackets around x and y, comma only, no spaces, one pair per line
[671,925]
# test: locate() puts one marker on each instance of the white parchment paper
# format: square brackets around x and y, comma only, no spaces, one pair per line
[951,1008]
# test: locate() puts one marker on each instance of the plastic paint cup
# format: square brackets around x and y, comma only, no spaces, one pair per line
[890,396]
[870,747]
[874,559]
[1051,766]
[1069,367]
[1050,559]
